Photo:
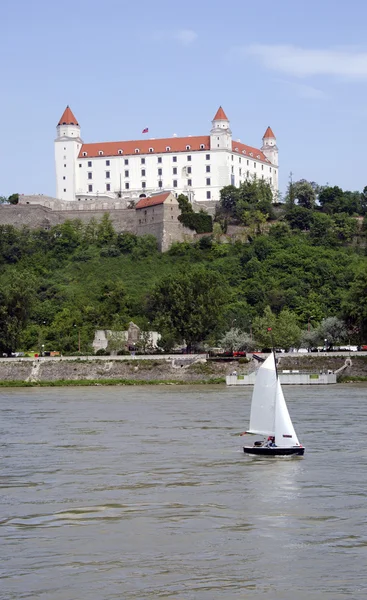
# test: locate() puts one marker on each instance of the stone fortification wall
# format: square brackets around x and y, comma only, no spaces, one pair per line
[35,216]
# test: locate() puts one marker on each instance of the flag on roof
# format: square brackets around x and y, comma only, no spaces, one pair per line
[145,130]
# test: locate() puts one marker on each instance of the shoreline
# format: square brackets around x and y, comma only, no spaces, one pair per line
[178,370]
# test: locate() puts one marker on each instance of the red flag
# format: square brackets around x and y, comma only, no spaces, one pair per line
[145,130]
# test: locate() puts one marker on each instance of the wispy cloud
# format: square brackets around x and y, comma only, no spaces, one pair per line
[350,63]
[182,36]
[303,90]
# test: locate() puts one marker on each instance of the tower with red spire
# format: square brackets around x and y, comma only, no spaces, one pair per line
[269,147]
[220,134]
[67,147]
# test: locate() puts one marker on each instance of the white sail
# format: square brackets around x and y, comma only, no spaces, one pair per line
[262,416]
[285,435]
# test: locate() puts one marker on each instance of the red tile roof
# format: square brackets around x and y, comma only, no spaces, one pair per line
[158,146]
[269,133]
[220,115]
[68,117]
[248,151]
[153,200]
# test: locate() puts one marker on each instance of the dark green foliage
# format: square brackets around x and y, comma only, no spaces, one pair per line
[58,286]
[200,222]
[242,203]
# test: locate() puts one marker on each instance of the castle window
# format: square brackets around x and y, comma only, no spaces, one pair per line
[232,157]
[207,168]
[270,169]
[90,188]
[208,181]
[239,160]
[189,158]
[208,195]
[89,163]
[137,150]
[143,172]
[188,147]
[108,187]
[107,174]
[143,184]
[189,182]
[126,173]
[64,166]
[243,151]
[64,177]
[85,154]
[248,163]
[160,171]
[262,167]
[127,185]
[126,161]
[174,170]
[64,190]
[236,149]
[202,146]
[119,151]
[240,171]
[248,174]
[262,176]
[175,183]
[174,158]
[258,156]
[207,157]
[151,149]
[189,169]
[80,165]
[89,175]
[251,154]
[107,163]
[254,165]
[142,160]
[232,170]
[100,152]
[159,159]
[160,184]
[168,148]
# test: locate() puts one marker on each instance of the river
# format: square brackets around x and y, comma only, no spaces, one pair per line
[141,493]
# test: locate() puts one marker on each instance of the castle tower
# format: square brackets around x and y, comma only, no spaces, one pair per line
[269,147]
[220,134]
[67,147]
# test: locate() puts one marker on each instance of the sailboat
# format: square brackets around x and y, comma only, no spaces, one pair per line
[269,415]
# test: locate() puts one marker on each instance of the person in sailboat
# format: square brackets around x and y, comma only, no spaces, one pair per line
[270,442]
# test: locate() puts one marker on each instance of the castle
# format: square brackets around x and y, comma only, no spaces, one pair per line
[197,166]
[137,182]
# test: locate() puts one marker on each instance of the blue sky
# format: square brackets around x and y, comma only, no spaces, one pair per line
[122,66]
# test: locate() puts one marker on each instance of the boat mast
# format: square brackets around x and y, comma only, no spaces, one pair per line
[273,350]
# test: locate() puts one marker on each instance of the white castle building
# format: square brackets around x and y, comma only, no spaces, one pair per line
[198,166]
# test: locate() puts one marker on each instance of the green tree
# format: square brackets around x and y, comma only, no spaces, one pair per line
[235,340]
[304,194]
[189,304]
[16,299]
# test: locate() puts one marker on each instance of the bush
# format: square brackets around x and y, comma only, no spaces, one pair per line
[102,352]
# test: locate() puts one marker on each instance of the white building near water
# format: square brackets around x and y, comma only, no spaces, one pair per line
[198,166]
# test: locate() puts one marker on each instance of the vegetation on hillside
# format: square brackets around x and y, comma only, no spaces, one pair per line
[295,265]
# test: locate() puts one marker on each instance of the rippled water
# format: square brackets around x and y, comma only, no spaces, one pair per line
[137,493]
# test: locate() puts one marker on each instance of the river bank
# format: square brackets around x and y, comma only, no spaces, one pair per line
[166,370]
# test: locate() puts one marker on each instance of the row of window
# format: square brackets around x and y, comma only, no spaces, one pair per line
[142,160]
[143,172]
[144,185]
[174,158]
